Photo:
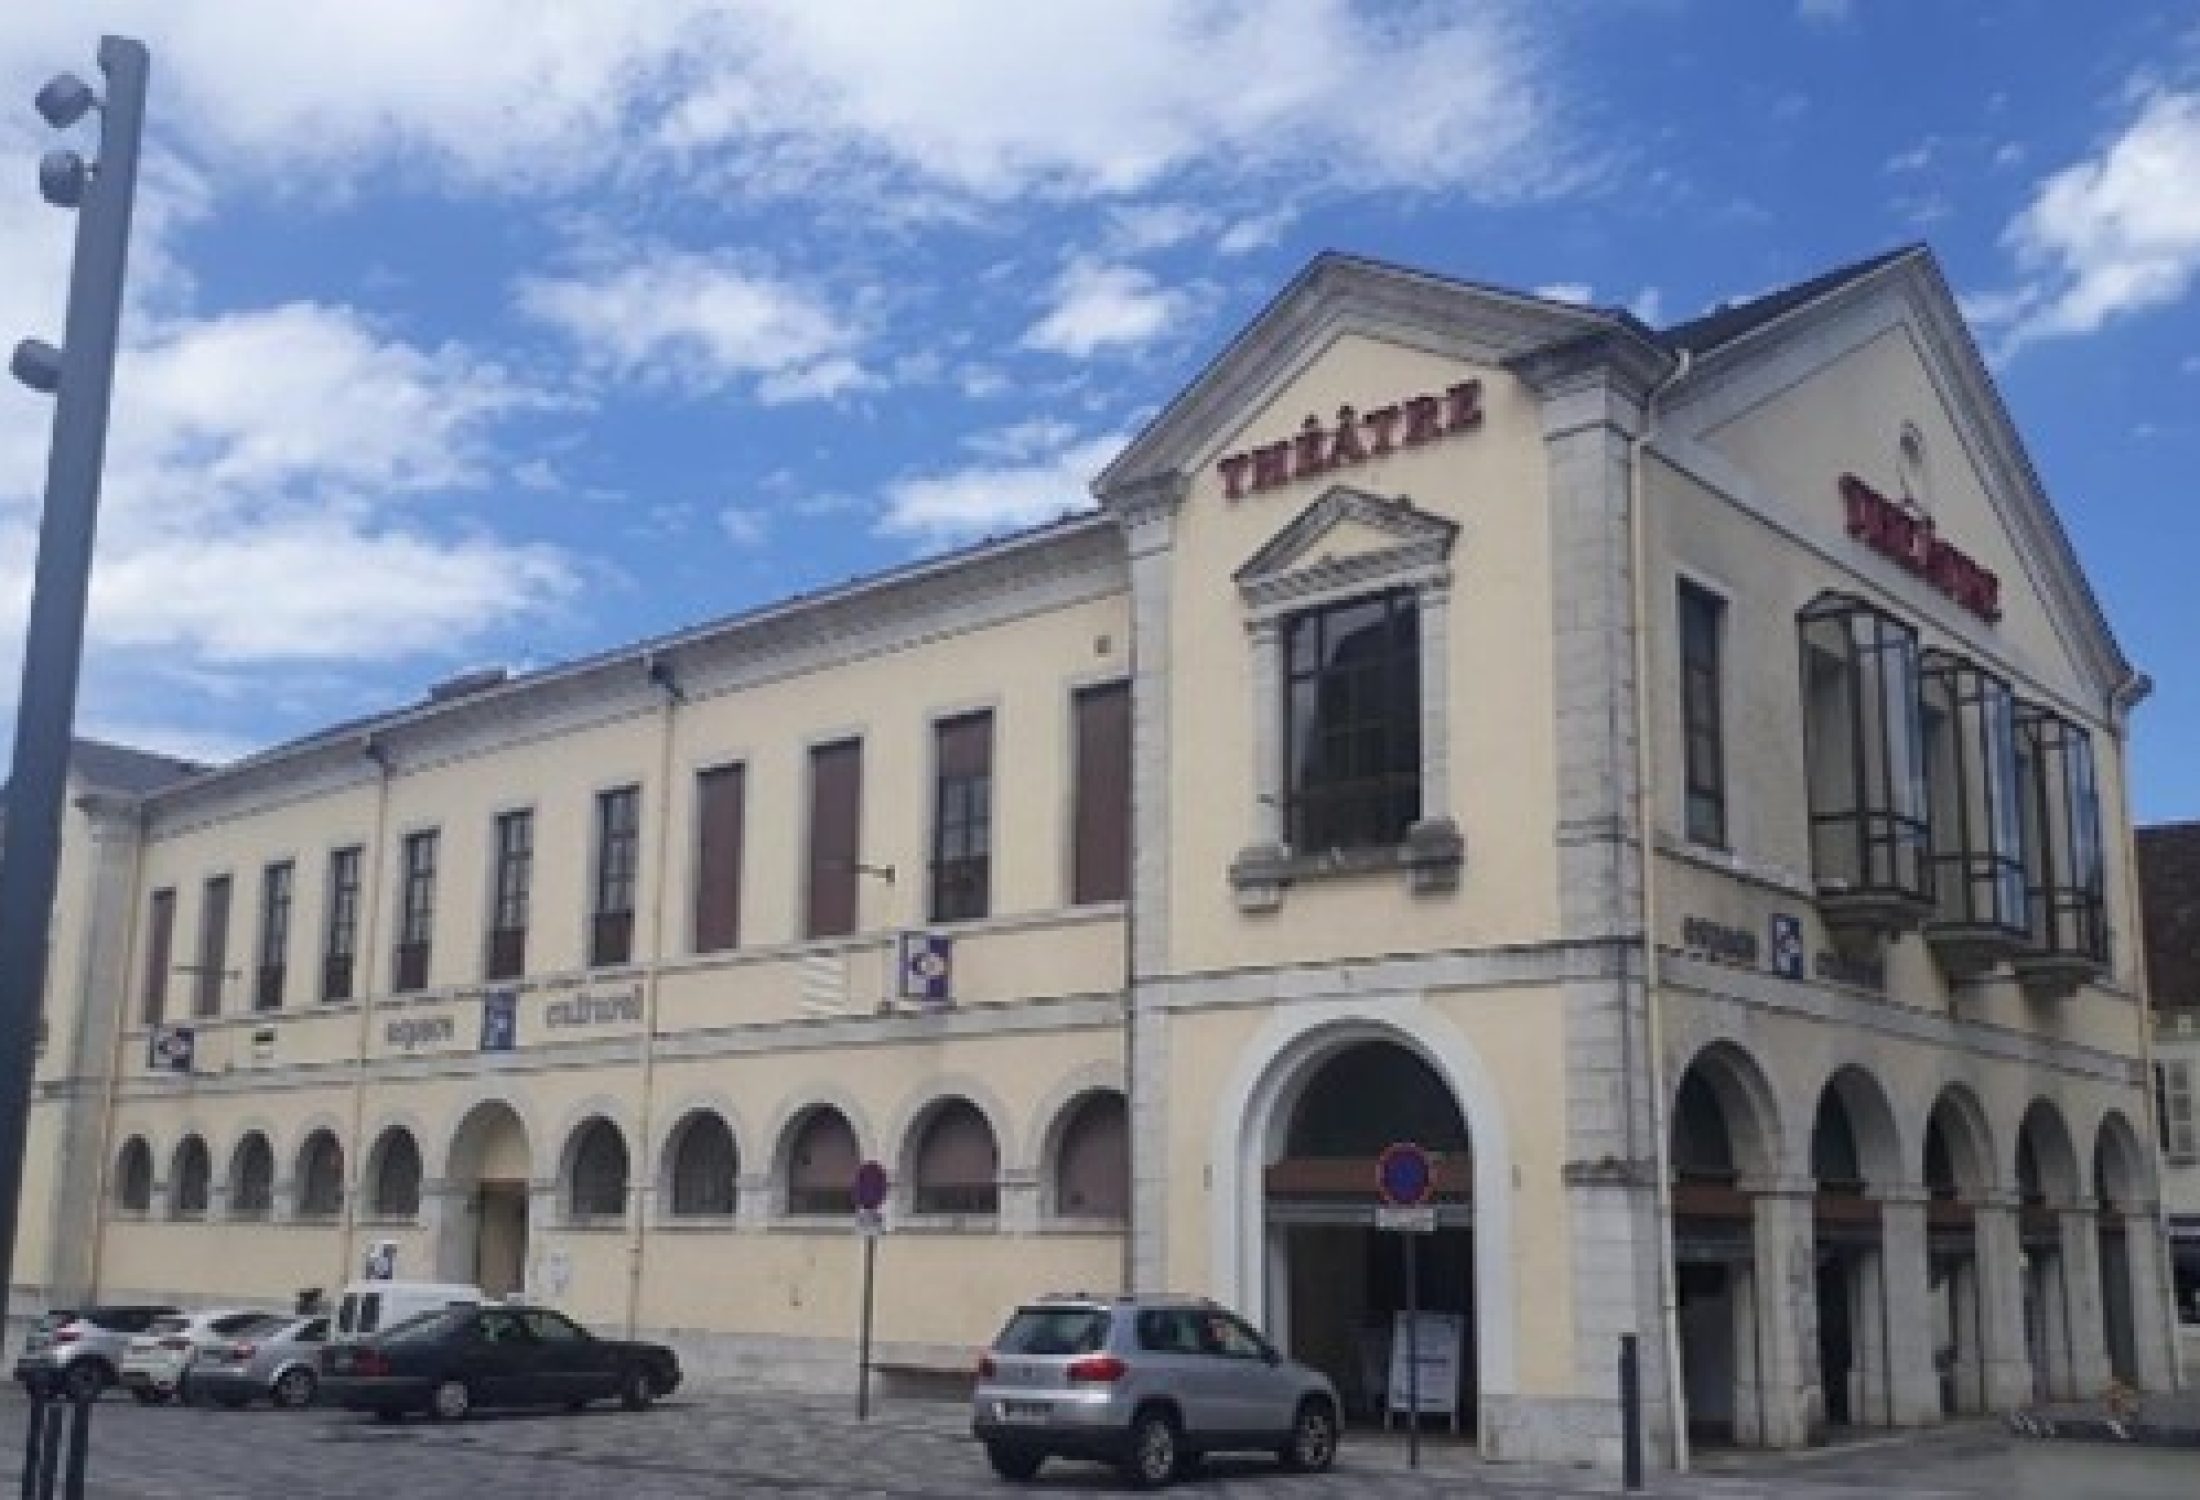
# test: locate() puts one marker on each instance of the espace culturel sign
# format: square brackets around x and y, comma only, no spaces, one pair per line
[1354,438]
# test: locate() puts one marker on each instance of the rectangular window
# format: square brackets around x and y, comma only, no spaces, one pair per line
[275,883]
[720,794]
[1977,823]
[836,822]
[1100,850]
[206,995]
[1703,732]
[2174,1107]
[618,856]
[416,921]
[962,818]
[341,959]
[160,939]
[2065,863]
[1353,723]
[1865,758]
[515,879]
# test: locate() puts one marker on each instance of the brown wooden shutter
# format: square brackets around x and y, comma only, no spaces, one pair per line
[966,746]
[159,954]
[719,809]
[1100,861]
[836,817]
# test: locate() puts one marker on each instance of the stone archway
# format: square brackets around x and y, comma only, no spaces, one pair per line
[2128,1249]
[1957,1170]
[2057,1334]
[1855,1165]
[487,1186]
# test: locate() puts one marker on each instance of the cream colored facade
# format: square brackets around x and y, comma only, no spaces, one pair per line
[1522,963]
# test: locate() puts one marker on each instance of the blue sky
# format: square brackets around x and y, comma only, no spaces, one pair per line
[473,332]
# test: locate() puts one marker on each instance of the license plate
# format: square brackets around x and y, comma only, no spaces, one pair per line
[1025,1411]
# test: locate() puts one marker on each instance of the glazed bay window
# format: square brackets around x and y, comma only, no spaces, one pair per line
[1864,749]
[1970,720]
[2066,916]
[618,856]
[416,926]
[514,835]
[962,818]
[1350,707]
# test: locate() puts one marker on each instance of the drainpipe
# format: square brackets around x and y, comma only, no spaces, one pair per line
[660,676]
[104,1167]
[371,745]
[1646,853]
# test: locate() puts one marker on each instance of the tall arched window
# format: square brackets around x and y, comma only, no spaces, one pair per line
[320,1177]
[821,1164]
[704,1167]
[134,1176]
[1092,1164]
[396,1176]
[957,1165]
[189,1179]
[596,1187]
[252,1178]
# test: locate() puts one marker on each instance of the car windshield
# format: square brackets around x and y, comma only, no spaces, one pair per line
[259,1327]
[1054,1330]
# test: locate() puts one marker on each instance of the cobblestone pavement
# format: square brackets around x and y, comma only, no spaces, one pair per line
[711,1444]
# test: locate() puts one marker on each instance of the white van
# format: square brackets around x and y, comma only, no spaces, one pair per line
[368,1307]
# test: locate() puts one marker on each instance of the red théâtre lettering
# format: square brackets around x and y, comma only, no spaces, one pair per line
[1353,438]
[1913,543]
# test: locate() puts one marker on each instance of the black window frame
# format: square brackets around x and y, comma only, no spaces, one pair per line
[618,876]
[160,953]
[2066,863]
[511,893]
[1871,834]
[213,955]
[340,947]
[961,865]
[1356,806]
[419,855]
[1700,616]
[278,882]
[1977,822]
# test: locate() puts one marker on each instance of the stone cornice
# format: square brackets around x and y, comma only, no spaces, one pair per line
[1614,359]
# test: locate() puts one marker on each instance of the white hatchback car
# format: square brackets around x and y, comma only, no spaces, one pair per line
[156,1362]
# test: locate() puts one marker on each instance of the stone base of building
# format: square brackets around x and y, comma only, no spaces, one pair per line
[1565,1430]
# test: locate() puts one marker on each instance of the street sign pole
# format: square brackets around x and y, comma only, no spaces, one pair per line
[863,1352]
[1413,1351]
[1405,1185]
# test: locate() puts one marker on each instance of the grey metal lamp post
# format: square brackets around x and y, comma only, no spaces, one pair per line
[80,378]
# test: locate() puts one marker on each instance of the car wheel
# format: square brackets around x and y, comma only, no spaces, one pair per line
[636,1389]
[1313,1445]
[450,1401]
[1013,1462]
[294,1388]
[1154,1454]
[85,1380]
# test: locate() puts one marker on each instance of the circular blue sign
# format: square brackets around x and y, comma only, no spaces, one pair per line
[1404,1175]
[870,1187]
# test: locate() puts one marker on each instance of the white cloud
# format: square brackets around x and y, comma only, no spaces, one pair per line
[997,495]
[1144,228]
[2114,234]
[1648,306]
[1916,158]
[1255,232]
[745,526]
[1580,293]
[2009,154]
[704,321]
[1098,307]
[1825,12]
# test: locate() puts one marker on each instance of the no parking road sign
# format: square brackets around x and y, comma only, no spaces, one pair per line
[1405,1178]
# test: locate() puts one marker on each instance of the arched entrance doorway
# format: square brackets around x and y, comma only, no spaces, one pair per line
[2047,1179]
[484,1235]
[1721,1135]
[1337,1284]
[1957,1177]
[2118,1182]
[1852,1153]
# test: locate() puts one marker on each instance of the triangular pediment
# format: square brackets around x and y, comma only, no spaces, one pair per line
[1335,297]
[1347,539]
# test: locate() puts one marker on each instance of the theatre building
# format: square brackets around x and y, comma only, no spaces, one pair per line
[1676,777]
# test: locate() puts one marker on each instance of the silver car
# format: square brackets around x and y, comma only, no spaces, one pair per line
[277,1362]
[1147,1383]
[155,1363]
[84,1349]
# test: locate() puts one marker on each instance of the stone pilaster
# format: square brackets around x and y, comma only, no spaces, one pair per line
[2009,1375]
[2153,1325]
[1905,1276]
[2088,1330]
[1786,1284]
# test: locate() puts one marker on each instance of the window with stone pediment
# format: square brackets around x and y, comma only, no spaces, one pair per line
[1347,610]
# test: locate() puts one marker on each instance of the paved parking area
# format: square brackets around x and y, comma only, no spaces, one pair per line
[710,1444]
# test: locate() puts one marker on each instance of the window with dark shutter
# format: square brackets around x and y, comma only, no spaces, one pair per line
[206,998]
[515,878]
[618,855]
[275,884]
[836,819]
[159,953]
[416,931]
[962,818]
[1703,729]
[1101,844]
[719,797]
[342,953]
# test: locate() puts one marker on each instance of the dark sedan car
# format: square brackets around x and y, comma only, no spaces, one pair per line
[448,1363]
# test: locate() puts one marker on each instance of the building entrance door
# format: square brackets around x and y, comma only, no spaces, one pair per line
[500,1240]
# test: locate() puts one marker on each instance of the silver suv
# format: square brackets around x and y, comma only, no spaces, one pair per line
[84,1348]
[1148,1383]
